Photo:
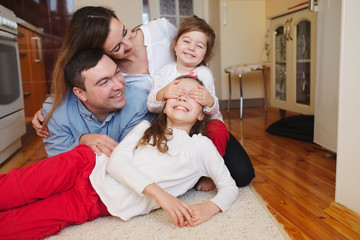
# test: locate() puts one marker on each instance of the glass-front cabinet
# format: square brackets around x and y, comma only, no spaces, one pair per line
[293,59]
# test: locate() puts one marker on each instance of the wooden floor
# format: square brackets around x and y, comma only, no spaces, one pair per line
[295,178]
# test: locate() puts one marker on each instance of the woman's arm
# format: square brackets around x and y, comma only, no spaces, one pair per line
[37,124]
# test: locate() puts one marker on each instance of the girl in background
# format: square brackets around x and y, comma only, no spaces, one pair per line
[153,165]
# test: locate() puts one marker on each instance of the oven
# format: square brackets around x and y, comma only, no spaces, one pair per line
[12,117]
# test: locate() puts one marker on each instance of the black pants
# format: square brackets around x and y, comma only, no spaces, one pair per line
[238,162]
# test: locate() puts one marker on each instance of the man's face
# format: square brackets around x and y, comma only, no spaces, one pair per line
[105,88]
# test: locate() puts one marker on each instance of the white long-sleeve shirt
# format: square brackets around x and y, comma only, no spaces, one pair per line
[121,179]
[168,74]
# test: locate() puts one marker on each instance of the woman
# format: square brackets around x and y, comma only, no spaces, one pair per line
[140,54]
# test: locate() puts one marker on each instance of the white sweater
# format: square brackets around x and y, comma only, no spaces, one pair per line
[120,180]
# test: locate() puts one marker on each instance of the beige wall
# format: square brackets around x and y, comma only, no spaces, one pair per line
[275,7]
[128,11]
[211,15]
[242,33]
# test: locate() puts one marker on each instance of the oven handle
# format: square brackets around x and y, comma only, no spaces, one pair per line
[27,94]
[36,44]
[8,36]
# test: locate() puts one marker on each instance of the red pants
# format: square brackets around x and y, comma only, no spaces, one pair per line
[219,135]
[47,196]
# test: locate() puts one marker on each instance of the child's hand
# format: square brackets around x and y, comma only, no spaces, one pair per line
[203,212]
[202,96]
[172,90]
[180,212]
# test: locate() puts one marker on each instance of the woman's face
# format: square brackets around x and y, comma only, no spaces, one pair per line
[184,111]
[119,44]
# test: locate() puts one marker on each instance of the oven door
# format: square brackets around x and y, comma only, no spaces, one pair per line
[11,97]
[12,117]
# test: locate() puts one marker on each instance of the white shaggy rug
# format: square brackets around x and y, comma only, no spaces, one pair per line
[246,219]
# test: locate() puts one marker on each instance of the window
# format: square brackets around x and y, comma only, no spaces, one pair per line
[173,10]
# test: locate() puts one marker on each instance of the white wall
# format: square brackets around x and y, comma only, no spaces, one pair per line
[347,190]
[128,11]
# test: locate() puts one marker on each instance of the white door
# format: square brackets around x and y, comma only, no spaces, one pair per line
[327,74]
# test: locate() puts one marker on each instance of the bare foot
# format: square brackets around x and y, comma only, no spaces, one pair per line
[205,184]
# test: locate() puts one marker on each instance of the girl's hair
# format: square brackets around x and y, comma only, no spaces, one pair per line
[158,134]
[195,23]
[88,28]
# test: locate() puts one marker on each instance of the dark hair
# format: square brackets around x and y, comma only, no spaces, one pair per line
[158,134]
[88,28]
[81,61]
[195,23]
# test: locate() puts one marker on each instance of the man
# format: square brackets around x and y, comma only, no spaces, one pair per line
[97,112]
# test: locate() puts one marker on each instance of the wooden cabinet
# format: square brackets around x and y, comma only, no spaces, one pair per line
[32,70]
[293,61]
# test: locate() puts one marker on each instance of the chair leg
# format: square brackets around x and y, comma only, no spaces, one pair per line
[229,76]
[241,97]
[265,92]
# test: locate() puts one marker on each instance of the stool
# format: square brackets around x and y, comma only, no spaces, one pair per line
[240,70]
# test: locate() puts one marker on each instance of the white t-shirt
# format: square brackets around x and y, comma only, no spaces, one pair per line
[168,74]
[120,180]
[158,35]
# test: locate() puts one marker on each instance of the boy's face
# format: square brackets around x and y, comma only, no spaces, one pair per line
[190,48]
[105,88]
[184,111]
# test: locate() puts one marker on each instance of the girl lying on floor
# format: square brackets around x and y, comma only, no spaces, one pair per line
[153,165]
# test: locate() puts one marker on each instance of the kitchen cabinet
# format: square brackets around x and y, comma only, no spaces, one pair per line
[32,70]
[293,61]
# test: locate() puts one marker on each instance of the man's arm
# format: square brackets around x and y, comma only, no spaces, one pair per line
[99,143]
[59,140]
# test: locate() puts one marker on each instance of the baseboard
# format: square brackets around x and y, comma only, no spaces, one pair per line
[248,103]
[344,215]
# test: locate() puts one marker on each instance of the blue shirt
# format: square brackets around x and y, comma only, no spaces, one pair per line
[72,119]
